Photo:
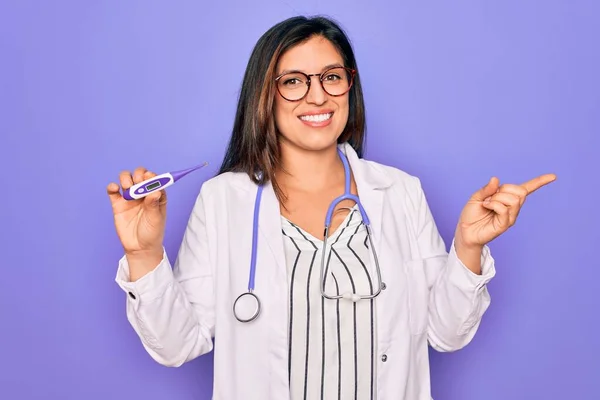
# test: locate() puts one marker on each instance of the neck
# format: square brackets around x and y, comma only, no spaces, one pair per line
[309,171]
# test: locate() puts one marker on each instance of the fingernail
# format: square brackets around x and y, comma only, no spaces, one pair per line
[487,200]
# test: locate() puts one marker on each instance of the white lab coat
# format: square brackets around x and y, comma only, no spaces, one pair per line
[430,296]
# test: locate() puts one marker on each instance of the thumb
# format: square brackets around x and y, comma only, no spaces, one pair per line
[488,190]
[154,200]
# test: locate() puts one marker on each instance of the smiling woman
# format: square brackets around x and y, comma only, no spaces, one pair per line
[325,105]
[350,289]
[311,75]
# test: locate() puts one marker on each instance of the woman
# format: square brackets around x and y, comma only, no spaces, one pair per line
[298,137]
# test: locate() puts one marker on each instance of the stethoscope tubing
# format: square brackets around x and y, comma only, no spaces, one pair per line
[351,296]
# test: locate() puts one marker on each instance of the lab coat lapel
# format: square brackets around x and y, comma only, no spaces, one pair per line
[273,267]
[370,183]
[271,281]
[270,228]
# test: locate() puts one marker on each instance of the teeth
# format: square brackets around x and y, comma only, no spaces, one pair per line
[316,118]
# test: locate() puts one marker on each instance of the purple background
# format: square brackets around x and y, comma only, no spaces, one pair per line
[455,93]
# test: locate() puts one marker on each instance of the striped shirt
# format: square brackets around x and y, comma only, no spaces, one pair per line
[331,342]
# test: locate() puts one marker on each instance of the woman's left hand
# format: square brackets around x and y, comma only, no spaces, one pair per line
[493,209]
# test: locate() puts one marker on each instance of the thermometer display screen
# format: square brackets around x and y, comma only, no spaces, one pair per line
[153,185]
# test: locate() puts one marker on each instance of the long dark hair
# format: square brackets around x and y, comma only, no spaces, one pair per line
[253,146]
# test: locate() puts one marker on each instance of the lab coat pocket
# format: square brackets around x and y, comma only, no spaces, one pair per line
[418,296]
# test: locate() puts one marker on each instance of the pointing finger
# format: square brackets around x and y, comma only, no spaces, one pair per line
[536,183]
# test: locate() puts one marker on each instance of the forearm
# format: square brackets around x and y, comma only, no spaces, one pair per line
[174,320]
[168,326]
[470,256]
[458,299]
[457,280]
[143,263]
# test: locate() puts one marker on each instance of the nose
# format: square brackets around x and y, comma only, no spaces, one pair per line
[316,95]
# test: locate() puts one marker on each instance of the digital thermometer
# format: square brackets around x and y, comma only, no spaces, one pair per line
[159,182]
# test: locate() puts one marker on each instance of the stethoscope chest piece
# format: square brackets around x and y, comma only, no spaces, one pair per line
[246,307]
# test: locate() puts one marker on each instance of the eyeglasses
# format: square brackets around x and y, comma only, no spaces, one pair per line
[335,81]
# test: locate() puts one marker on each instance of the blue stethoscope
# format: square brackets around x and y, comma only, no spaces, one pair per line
[247,306]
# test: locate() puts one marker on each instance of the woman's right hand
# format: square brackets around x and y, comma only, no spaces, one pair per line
[140,223]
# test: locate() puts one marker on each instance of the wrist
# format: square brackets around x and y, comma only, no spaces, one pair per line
[144,253]
[143,261]
[140,256]
[460,242]
[469,254]
[467,247]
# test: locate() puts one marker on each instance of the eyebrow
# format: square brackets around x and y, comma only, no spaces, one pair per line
[287,71]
